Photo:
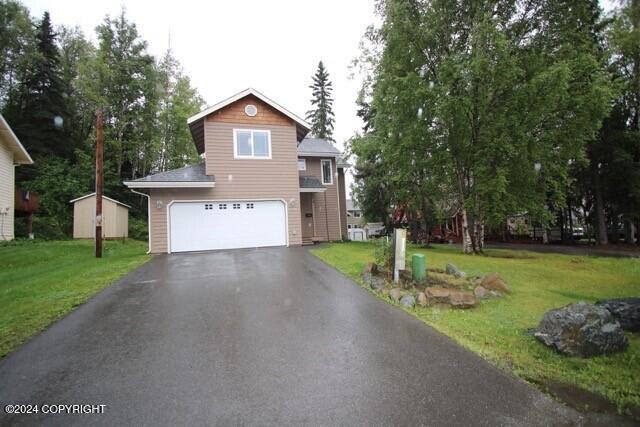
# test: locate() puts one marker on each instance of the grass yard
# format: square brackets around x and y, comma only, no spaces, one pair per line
[498,328]
[42,281]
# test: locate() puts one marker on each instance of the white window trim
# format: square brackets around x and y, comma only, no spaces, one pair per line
[304,162]
[322,162]
[252,156]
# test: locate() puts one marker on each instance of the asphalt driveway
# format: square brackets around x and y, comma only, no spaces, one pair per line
[266,336]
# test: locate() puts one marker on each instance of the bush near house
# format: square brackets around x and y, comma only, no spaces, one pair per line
[41,281]
[500,329]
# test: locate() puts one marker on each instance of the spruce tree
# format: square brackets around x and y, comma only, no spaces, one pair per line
[39,118]
[321,115]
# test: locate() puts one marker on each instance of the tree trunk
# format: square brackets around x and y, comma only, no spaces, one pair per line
[570,210]
[628,232]
[467,245]
[600,225]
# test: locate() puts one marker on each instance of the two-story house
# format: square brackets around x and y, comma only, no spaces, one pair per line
[262,183]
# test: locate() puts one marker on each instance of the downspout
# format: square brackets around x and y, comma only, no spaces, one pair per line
[338,197]
[326,216]
[148,216]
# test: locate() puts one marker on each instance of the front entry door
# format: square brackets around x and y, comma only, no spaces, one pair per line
[306,205]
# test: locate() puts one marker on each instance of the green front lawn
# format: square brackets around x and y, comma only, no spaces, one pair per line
[498,328]
[42,281]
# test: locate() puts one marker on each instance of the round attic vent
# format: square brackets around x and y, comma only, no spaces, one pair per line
[250,110]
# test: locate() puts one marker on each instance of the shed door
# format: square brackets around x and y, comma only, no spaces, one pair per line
[202,226]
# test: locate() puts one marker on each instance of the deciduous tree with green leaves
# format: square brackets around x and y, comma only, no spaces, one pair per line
[487,101]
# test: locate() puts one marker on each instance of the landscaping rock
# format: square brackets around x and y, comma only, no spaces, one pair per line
[581,329]
[462,299]
[377,283]
[480,292]
[624,310]
[455,271]
[422,299]
[455,298]
[437,295]
[494,281]
[369,271]
[408,301]
[395,294]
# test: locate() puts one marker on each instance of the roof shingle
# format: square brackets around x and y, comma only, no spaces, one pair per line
[191,173]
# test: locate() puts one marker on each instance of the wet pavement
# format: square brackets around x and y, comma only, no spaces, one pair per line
[261,336]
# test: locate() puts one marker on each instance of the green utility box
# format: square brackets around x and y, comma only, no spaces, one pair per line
[418,267]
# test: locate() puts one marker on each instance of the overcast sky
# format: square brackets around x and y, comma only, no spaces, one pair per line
[226,46]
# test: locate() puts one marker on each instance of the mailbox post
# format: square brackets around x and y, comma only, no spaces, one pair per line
[399,249]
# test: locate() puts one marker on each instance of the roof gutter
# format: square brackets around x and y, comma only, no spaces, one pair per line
[316,154]
[170,184]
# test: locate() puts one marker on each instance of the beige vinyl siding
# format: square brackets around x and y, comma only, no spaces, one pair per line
[239,179]
[7,183]
[115,223]
[324,202]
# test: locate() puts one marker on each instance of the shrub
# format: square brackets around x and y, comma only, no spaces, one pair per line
[383,253]
[138,229]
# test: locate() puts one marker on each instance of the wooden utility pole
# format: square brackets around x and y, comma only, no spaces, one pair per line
[99,179]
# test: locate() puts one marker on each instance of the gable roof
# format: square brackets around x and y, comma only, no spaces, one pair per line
[104,197]
[188,176]
[317,147]
[351,205]
[20,155]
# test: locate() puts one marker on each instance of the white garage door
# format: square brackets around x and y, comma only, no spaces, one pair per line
[203,226]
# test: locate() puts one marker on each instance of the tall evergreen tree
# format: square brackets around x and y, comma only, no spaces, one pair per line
[321,115]
[17,50]
[39,116]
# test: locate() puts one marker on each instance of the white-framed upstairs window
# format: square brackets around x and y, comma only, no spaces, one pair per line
[302,164]
[327,172]
[251,144]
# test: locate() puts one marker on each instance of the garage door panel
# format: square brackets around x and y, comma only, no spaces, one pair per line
[200,226]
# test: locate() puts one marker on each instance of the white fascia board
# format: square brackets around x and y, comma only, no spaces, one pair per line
[313,190]
[167,184]
[316,154]
[18,148]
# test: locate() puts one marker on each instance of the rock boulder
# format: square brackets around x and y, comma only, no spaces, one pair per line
[455,271]
[625,310]
[369,271]
[395,294]
[377,283]
[455,298]
[408,301]
[581,329]
[422,299]
[494,282]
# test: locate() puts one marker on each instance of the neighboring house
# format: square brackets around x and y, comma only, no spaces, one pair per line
[115,218]
[12,153]
[262,183]
[354,215]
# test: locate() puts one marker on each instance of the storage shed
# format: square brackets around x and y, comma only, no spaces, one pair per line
[115,214]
